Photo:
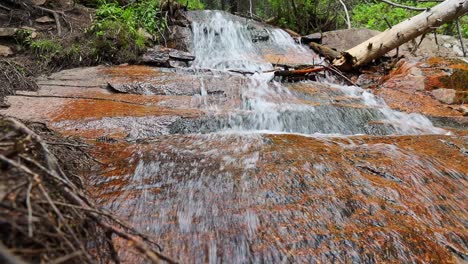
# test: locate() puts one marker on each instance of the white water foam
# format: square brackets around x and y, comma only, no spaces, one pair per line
[224,44]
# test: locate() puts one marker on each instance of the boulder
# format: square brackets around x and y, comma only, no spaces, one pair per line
[180,55]
[179,38]
[446,96]
[345,39]
[7,32]
[166,57]
[448,46]
[5,51]
[314,37]
[156,57]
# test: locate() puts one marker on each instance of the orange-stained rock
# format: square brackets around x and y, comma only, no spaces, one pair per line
[427,86]
[379,199]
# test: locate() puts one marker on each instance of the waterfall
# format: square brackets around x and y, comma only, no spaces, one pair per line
[275,172]
[222,42]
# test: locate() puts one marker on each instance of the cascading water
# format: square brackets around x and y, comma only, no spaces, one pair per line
[241,186]
[222,43]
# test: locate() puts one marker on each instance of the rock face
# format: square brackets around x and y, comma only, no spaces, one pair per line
[219,166]
[179,38]
[346,38]
[446,96]
[431,86]
[5,51]
[167,57]
[7,32]
[321,197]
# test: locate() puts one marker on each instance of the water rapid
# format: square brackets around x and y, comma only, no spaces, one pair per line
[307,172]
[224,43]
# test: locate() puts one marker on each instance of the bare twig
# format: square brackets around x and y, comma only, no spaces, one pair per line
[457,22]
[56,17]
[338,72]
[67,144]
[67,257]
[4,7]
[419,44]
[28,205]
[404,6]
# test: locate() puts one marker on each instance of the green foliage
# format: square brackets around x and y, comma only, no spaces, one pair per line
[192,4]
[305,16]
[23,37]
[118,31]
[140,14]
[116,42]
[45,48]
[373,16]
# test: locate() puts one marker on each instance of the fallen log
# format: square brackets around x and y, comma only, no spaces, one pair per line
[401,33]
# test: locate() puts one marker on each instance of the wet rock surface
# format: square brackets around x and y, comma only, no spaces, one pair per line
[257,197]
[435,87]
[264,198]
[166,57]
[218,166]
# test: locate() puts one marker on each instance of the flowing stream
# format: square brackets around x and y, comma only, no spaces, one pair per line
[276,173]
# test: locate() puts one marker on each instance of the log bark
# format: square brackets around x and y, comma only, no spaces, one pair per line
[401,33]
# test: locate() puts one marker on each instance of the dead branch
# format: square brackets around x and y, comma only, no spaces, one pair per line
[460,38]
[4,7]
[348,21]
[405,31]
[301,72]
[7,257]
[56,17]
[404,6]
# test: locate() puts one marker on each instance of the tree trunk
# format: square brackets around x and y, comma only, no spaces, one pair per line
[397,35]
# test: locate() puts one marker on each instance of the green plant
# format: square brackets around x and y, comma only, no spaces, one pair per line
[24,37]
[192,4]
[45,48]
[142,14]
[116,33]
[378,15]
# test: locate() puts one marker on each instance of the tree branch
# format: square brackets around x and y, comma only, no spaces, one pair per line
[403,6]
[348,21]
[457,22]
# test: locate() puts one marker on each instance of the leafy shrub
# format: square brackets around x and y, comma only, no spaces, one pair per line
[193,4]
[23,37]
[116,32]
[373,16]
